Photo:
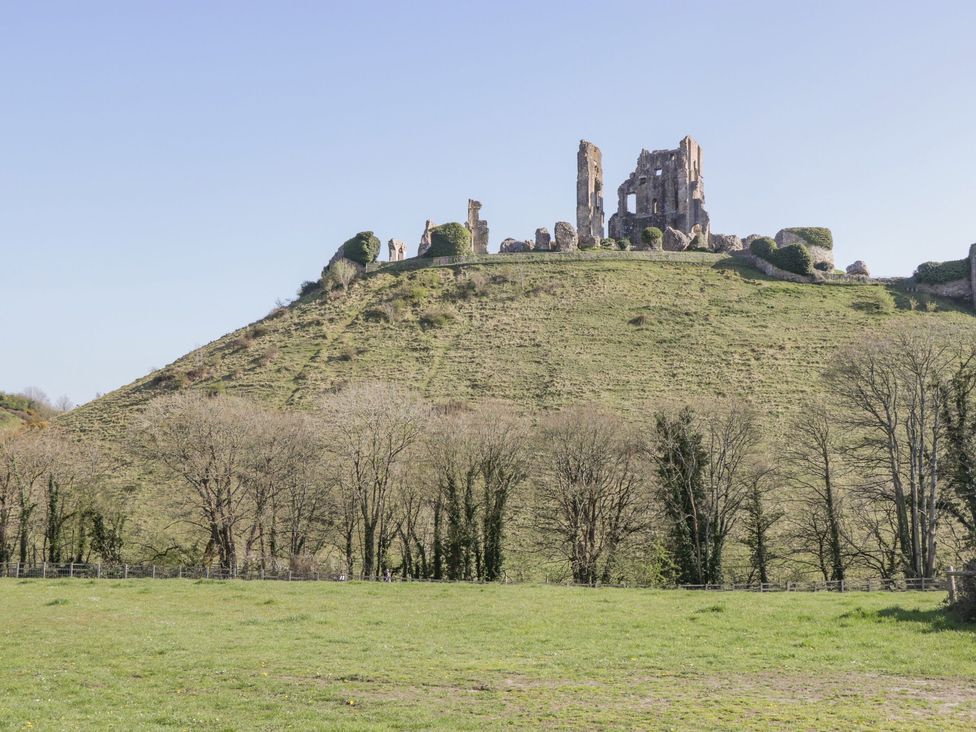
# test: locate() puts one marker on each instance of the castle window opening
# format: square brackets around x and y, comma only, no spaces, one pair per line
[655,208]
[642,181]
[631,203]
[657,172]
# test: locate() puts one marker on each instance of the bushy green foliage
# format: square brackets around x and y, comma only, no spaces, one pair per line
[308,287]
[623,244]
[815,236]
[763,247]
[794,258]
[449,240]
[608,243]
[652,237]
[363,248]
[934,273]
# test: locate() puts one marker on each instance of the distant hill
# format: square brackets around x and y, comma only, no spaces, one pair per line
[543,332]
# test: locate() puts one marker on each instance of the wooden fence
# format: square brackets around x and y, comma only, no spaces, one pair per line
[74,570]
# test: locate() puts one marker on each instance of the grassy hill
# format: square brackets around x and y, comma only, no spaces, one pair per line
[544,332]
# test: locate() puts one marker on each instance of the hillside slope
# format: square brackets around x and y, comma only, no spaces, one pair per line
[543,334]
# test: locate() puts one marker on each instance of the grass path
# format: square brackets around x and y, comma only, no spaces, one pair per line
[157,655]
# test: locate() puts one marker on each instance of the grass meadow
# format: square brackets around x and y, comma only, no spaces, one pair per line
[185,655]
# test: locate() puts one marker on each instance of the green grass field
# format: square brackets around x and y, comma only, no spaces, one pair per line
[175,654]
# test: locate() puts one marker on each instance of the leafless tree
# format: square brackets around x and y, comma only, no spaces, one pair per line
[204,442]
[340,273]
[762,511]
[894,387]
[591,495]
[813,453]
[370,429]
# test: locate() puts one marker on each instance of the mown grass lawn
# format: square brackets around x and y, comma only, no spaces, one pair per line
[174,654]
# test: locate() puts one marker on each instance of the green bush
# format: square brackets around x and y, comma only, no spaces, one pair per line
[794,258]
[763,247]
[308,287]
[363,248]
[623,244]
[814,236]
[934,273]
[449,240]
[608,243]
[652,237]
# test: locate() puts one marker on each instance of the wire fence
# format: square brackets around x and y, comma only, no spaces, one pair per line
[76,570]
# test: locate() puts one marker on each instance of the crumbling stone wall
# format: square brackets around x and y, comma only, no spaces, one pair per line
[665,190]
[589,194]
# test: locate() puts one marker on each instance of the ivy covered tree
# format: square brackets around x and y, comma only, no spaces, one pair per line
[363,248]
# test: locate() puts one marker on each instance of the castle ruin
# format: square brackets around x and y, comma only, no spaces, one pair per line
[666,190]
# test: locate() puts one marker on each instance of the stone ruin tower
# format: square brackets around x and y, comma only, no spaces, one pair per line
[477,227]
[665,190]
[589,194]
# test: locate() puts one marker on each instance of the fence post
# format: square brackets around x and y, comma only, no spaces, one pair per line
[951,581]
[71,569]
[98,571]
[180,571]
[44,570]
[289,575]
[208,572]
[18,570]
[125,571]
[154,572]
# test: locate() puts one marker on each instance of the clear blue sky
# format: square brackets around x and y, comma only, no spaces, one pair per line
[167,170]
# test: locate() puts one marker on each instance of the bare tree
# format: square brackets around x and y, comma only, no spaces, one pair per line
[371,427]
[813,450]
[340,272]
[590,493]
[894,387]
[204,442]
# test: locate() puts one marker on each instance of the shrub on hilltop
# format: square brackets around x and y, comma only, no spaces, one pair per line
[363,248]
[795,258]
[652,237]
[449,240]
[763,247]
[935,273]
[815,236]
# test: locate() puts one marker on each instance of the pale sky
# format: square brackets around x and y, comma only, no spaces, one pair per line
[168,170]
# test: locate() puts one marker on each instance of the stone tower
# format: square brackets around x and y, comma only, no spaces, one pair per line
[477,227]
[665,190]
[589,194]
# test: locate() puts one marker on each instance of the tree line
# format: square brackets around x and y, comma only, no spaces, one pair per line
[877,475]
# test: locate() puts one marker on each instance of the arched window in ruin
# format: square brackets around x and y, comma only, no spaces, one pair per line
[655,208]
[631,203]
